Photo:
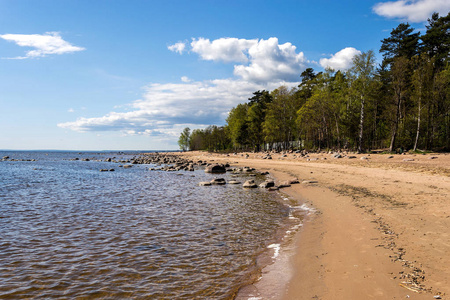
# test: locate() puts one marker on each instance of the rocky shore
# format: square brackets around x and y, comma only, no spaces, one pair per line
[381,223]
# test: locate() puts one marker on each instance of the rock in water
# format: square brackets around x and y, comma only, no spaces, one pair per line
[215,169]
[218,181]
[233,182]
[250,184]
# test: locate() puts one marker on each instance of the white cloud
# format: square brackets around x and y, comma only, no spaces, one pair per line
[185,79]
[223,49]
[71,110]
[412,10]
[261,60]
[44,44]
[270,61]
[342,60]
[165,107]
[177,47]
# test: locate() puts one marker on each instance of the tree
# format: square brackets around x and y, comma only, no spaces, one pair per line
[256,115]
[183,141]
[402,42]
[400,83]
[422,85]
[197,140]
[307,84]
[237,126]
[279,124]
[363,70]
[436,41]
[442,103]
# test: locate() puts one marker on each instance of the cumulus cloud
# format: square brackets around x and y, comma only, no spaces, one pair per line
[164,108]
[270,61]
[177,47]
[43,44]
[412,10]
[223,49]
[260,60]
[342,60]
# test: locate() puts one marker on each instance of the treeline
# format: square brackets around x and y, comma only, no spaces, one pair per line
[401,104]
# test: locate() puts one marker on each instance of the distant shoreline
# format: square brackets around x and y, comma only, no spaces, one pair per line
[381,226]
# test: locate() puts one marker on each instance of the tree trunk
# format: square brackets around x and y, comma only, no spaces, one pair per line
[397,121]
[361,125]
[418,124]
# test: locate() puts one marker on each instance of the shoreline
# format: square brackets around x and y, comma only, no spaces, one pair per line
[381,229]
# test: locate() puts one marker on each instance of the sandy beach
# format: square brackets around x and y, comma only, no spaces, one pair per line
[381,229]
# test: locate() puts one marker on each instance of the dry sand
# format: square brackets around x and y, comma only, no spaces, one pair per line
[381,228]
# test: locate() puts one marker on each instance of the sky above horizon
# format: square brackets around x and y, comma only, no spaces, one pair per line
[130,75]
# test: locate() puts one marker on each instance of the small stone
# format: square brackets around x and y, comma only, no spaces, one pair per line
[234,182]
[309,181]
[204,183]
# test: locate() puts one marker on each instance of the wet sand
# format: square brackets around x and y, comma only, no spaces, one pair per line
[381,229]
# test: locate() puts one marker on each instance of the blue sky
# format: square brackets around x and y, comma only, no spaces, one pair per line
[130,75]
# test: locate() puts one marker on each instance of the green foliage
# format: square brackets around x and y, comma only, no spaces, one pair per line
[183,141]
[212,138]
[237,126]
[402,104]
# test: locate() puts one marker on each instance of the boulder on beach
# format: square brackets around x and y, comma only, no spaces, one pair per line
[250,184]
[215,169]
[267,184]
[284,185]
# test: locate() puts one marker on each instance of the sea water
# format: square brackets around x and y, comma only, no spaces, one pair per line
[68,230]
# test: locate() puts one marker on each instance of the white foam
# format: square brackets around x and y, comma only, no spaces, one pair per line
[304,207]
[276,248]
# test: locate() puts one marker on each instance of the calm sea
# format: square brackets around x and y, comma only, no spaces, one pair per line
[69,231]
